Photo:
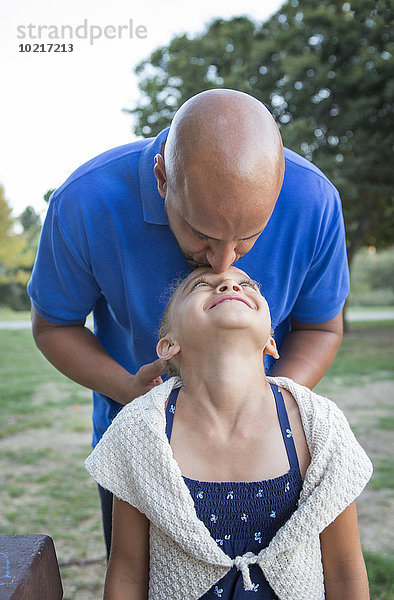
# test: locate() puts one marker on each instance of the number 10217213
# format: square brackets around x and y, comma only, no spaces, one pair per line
[46,48]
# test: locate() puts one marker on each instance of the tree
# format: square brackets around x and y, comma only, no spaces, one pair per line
[48,194]
[325,70]
[16,259]
[30,220]
[31,223]
[173,74]
[332,90]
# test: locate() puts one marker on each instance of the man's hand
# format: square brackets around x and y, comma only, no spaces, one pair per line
[148,377]
[77,353]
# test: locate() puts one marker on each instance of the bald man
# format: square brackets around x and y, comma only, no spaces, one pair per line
[215,188]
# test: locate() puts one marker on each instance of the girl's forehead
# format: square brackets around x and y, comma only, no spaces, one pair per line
[210,273]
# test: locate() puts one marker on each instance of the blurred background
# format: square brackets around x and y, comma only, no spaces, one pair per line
[325,69]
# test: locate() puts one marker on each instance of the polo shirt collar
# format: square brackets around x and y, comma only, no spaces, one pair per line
[152,202]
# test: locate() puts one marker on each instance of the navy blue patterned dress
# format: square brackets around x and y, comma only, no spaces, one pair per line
[245,516]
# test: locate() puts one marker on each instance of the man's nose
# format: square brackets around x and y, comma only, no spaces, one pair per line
[221,257]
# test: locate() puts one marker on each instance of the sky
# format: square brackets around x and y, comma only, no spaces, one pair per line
[58,110]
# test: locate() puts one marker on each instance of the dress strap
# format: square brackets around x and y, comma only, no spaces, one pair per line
[285,428]
[170,411]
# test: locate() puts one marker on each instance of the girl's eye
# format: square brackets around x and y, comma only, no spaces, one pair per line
[200,283]
[248,284]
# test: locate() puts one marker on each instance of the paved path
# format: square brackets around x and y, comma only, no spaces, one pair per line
[371,315]
[15,325]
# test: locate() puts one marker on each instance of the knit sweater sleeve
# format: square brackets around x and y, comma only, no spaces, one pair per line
[339,468]
[134,461]
[113,463]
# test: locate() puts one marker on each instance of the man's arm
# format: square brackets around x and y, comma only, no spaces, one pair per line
[76,352]
[309,350]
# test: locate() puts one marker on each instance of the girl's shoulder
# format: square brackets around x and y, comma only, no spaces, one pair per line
[321,419]
[310,404]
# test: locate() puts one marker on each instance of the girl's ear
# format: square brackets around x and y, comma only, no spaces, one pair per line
[271,348]
[166,348]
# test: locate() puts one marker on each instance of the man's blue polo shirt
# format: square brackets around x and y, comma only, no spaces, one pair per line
[106,246]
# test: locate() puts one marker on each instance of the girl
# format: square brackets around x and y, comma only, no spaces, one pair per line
[228,483]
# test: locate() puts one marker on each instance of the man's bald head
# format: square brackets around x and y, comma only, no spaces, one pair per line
[229,139]
[221,175]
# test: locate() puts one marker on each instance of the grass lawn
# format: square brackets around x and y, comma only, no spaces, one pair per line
[45,429]
[367,352]
[45,433]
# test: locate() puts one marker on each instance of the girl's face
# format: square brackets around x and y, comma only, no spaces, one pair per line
[208,303]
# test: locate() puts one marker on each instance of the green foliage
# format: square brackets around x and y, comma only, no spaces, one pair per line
[16,259]
[30,222]
[325,69]
[48,194]
[11,245]
[14,295]
[173,74]
[17,251]
[372,282]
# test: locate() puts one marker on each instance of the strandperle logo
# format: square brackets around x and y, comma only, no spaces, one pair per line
[84,31]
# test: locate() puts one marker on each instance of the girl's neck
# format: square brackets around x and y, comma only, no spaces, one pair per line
[224,380]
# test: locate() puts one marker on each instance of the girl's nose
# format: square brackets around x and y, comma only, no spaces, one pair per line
[229,286]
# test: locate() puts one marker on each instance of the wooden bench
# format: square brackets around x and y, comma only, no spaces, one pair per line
[29,568]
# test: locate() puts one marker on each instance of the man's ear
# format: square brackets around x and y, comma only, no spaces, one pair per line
[160,173]
[166,348]
[271,348]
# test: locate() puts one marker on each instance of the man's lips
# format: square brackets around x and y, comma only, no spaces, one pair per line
[227,298]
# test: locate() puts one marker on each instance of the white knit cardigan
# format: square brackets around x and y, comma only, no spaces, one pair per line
[134,461]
